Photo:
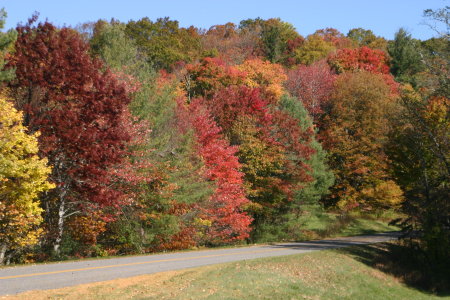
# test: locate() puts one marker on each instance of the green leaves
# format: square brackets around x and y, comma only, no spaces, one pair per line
[6,45]
[164,42]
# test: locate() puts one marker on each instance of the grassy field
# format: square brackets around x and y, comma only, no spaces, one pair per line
[351,273]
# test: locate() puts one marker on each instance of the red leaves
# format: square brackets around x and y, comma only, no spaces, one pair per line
[224,208]
[364,58]
[79,110]
[312,85]
[228,104]
[210,75]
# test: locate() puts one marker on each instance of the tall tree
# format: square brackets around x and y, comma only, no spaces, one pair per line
[224,209]
[314,49]
[81,114]
[312,86]
[276,38]
[420,149]
[273,149]
[23,176]
[405,56]
[323,177]
[358,127]
[420,154]
[305,203]
[163,217]
[365,37]
[164,42]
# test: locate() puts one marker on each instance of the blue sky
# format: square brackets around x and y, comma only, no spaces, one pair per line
[383,17]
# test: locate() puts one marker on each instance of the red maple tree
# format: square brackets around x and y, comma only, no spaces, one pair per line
[223,211]
[312,85]
[80,111]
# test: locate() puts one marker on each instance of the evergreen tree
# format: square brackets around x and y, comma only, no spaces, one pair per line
[405,56]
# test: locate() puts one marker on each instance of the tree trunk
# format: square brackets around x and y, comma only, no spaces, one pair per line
[61,215]
[3,249]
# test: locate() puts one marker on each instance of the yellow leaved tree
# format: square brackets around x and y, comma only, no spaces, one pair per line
[23,175]
[267,76]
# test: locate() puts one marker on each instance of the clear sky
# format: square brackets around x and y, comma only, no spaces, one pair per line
[383,17]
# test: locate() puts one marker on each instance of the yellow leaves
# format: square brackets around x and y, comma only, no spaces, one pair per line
[437,111]
[23,175]
[408,92]
[253,207]
[202,222]
[314,49]
[383,194]
[361,109]
[18,229]
[86,228]
[265,75]
[261,161]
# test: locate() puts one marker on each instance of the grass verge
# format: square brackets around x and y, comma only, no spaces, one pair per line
[319,225]
[360,272]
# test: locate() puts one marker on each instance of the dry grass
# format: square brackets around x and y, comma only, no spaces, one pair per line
[333,274]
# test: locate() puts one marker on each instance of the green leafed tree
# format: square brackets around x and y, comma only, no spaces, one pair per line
[323,176]
[405,56]
[314,49]
[275,37]
[365,37]
[178,169]
[419,149]
[420,153]
[289,221]
[7,40]
[164,42]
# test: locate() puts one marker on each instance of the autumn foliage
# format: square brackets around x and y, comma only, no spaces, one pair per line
[312,85]
[23,177]
[224,209]
[364,58]
[147,136]
[81,114]
[358,129]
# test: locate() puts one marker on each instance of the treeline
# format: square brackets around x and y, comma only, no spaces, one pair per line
[145,136]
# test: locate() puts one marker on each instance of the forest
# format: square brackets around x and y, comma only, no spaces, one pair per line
[123,138]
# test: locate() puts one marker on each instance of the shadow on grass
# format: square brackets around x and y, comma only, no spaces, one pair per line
[408,264]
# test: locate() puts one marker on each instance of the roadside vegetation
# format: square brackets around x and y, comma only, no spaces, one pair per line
[124,138]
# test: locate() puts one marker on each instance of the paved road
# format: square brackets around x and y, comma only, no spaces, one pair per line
[56,275]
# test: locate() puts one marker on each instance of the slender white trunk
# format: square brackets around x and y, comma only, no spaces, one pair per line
[61,215]
[2,253]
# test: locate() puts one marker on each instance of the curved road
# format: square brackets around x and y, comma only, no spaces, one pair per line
[15,280]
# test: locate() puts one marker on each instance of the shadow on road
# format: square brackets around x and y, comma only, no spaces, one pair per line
[339,242]
[317,245]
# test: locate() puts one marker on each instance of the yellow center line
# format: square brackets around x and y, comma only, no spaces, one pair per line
[138,263]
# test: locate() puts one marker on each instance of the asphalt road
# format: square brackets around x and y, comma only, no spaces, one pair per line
[15,280]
